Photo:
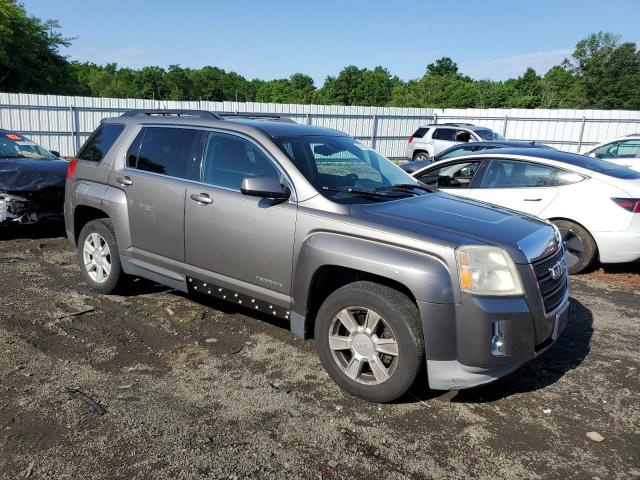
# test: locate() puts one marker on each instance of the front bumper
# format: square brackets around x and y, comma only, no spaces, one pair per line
[459,338]
[31,207]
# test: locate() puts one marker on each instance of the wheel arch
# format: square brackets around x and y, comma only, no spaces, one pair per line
[328,261]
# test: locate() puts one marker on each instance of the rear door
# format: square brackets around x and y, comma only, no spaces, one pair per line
[520,185]
[443,138]
[159,163]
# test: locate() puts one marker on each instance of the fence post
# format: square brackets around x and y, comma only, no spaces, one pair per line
[74,130]
[435,118]
[584,120]
[308,118]
[504,125]
[374,130]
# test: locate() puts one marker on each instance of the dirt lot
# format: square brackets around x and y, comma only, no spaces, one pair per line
[198,389]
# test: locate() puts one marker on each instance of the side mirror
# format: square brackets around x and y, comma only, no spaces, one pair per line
[55,153]
[264,186]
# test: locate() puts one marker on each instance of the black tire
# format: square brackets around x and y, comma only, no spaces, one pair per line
[421,155]
[116,277]
[580,247]
[397,312]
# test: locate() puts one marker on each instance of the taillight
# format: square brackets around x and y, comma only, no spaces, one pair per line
[410,139]
[629,204]
[72,168]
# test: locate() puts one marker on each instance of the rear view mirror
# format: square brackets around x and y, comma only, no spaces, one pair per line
[55,153]
[266,187]
[324,150]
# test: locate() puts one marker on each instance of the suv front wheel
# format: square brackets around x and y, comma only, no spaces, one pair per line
[99,257]
[369,339]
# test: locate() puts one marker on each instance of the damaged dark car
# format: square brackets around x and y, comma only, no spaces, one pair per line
[32,181]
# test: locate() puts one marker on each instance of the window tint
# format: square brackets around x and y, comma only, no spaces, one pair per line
[457,175]
[228,159]
[515,174]
[489,135]
[448,134]
[419,133]
[169,151]
[100,142]
[622,149]
[564,177]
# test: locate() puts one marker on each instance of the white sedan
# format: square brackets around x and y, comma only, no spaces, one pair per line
[594,203]
[623,151]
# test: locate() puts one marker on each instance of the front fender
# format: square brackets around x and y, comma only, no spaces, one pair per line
[426,276]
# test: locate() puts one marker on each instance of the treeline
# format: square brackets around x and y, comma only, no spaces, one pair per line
[603,72]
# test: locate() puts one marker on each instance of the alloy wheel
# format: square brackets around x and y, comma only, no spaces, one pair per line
[363,345]
[97,257]
[573,246]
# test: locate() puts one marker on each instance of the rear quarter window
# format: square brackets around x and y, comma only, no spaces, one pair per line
[99,143]
[420,133]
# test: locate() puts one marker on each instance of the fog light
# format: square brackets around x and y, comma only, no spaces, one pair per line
[497,339]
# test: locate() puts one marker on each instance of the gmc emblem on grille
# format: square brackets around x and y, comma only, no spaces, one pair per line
[557,270]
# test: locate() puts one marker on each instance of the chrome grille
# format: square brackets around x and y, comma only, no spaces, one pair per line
[552,290]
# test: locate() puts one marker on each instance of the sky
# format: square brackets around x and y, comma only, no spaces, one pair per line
[488,39]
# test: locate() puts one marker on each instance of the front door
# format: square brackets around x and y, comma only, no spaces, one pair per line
[242,242]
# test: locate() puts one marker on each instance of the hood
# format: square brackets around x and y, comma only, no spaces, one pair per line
[31,174]
[456,221]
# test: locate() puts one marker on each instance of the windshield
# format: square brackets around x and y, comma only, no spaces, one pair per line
[346,171]
[489,135]
[13,145]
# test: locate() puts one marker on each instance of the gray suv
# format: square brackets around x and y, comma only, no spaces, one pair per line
[310,226]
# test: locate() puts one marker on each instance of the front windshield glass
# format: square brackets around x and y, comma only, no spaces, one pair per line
[346,171]
[13,145]
[489,135]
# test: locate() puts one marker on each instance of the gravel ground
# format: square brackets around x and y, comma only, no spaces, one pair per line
[198,389]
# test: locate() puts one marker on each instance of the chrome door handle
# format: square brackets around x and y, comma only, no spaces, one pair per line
[125,181]
[201,198]
[532,199]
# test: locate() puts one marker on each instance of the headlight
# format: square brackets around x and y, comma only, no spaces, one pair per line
[486,270]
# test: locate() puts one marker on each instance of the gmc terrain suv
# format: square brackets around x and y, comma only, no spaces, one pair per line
[312,227]
[429,140]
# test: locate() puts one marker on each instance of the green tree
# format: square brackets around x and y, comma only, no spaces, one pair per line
[443,67]
[30,59]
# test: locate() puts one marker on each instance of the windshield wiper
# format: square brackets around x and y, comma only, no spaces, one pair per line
[12,156]
[407,186]
[364,193]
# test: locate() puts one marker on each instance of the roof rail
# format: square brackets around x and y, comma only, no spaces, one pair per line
[258,116]
[172,113]
[634,135]
[456,124]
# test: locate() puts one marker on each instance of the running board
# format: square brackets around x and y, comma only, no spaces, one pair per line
[208,288]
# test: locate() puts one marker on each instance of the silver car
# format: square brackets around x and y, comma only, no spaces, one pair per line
[309,226]
[430,140]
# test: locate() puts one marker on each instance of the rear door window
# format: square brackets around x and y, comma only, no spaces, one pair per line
[167,151]
[99,143]
[448,134]
[516,174]
[420,133]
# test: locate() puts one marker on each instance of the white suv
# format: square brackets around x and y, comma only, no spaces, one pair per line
[430,140]
[624,151]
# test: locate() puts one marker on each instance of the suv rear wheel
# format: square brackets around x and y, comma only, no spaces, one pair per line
[99,257]
[369,339]
[421,156]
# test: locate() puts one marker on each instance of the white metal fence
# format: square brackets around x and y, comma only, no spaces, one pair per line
[63,123]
